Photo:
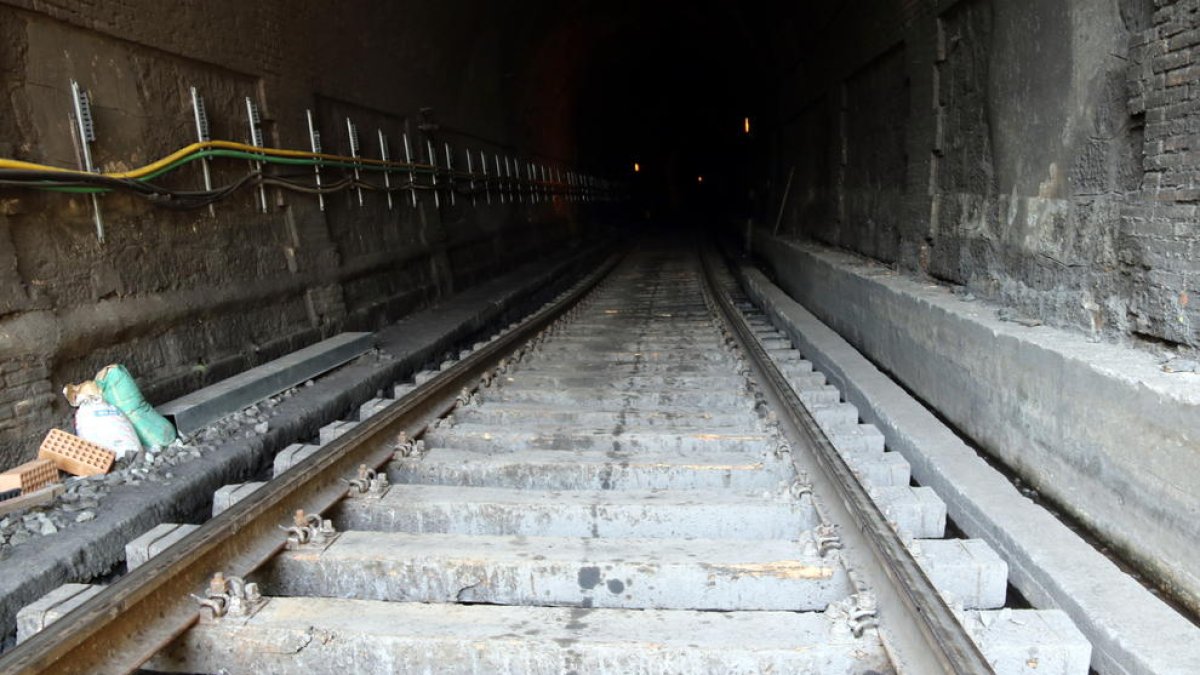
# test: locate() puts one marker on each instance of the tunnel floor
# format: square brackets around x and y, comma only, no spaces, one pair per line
[616,492]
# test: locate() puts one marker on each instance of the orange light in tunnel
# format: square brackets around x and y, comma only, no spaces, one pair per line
[637,167]
[746,125]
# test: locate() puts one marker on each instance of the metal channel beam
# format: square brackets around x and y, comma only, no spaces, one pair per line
[200,407]
[141,613]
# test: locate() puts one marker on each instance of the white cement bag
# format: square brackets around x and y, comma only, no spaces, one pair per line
[106,426]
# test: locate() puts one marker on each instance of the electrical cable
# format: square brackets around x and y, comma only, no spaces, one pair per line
[231,149]
[188,199]
[20,174]
[87,183]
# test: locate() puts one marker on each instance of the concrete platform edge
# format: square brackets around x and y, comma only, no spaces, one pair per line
[1097,428]
[1131,631]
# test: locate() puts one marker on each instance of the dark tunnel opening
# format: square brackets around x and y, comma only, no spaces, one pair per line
[670,87]
[679,90]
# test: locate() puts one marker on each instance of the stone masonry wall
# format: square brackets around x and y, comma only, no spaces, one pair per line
[1041,154]
[186,299]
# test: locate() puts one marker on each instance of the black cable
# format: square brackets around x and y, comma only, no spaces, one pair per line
[56,179]
[194,199]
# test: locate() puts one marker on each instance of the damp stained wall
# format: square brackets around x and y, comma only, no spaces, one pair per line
[186,299]
[1039,153]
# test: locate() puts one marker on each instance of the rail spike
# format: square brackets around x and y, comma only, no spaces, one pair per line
[799,488]
[229,596]
[827,539]
[864,614]
[369,483]
[409,448]
[309,530]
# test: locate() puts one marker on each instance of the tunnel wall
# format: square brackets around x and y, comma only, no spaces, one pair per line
[1097,429]
[1039,153]
[186,299]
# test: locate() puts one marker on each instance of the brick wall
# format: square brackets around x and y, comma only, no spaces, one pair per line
[25,397]
[1161,229]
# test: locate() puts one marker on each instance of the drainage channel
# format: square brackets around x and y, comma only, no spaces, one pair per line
[618,494]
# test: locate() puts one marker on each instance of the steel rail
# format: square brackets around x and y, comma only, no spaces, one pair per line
[924,635]
[123,626]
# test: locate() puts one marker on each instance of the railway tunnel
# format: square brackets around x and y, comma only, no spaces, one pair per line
[929,265]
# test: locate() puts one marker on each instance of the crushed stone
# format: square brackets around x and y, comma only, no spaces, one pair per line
[84,495]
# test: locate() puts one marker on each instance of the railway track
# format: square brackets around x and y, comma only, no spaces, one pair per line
[642,477]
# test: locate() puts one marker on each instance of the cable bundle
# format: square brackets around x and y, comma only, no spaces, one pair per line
[18,174]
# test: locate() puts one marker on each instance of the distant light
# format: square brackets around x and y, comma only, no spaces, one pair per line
[699,179]
[746,125]
[637,167]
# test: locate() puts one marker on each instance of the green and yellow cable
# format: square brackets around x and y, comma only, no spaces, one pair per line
[225,149]
[230,149]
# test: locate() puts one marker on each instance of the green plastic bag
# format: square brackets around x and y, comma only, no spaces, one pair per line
[120,390]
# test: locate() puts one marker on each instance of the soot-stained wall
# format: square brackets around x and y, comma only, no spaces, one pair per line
[185,299]
[1040,153]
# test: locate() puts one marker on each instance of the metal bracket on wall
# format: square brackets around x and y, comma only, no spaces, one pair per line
[412,175]
[499,179]
[85,130]
[471,173]
[203,135]
[256,139]
[449,172]
[429,151]
[487,188]
[508,179]
[314,142]
[352,133]
[387,174]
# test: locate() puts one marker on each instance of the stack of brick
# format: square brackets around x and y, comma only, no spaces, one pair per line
[74,455]
[29,477]
[36,482]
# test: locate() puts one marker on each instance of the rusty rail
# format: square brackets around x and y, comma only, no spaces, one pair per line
[919,628]
[126,624]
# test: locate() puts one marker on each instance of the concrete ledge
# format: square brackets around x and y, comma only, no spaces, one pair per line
[910,329]
[96,548]
[1099,429]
